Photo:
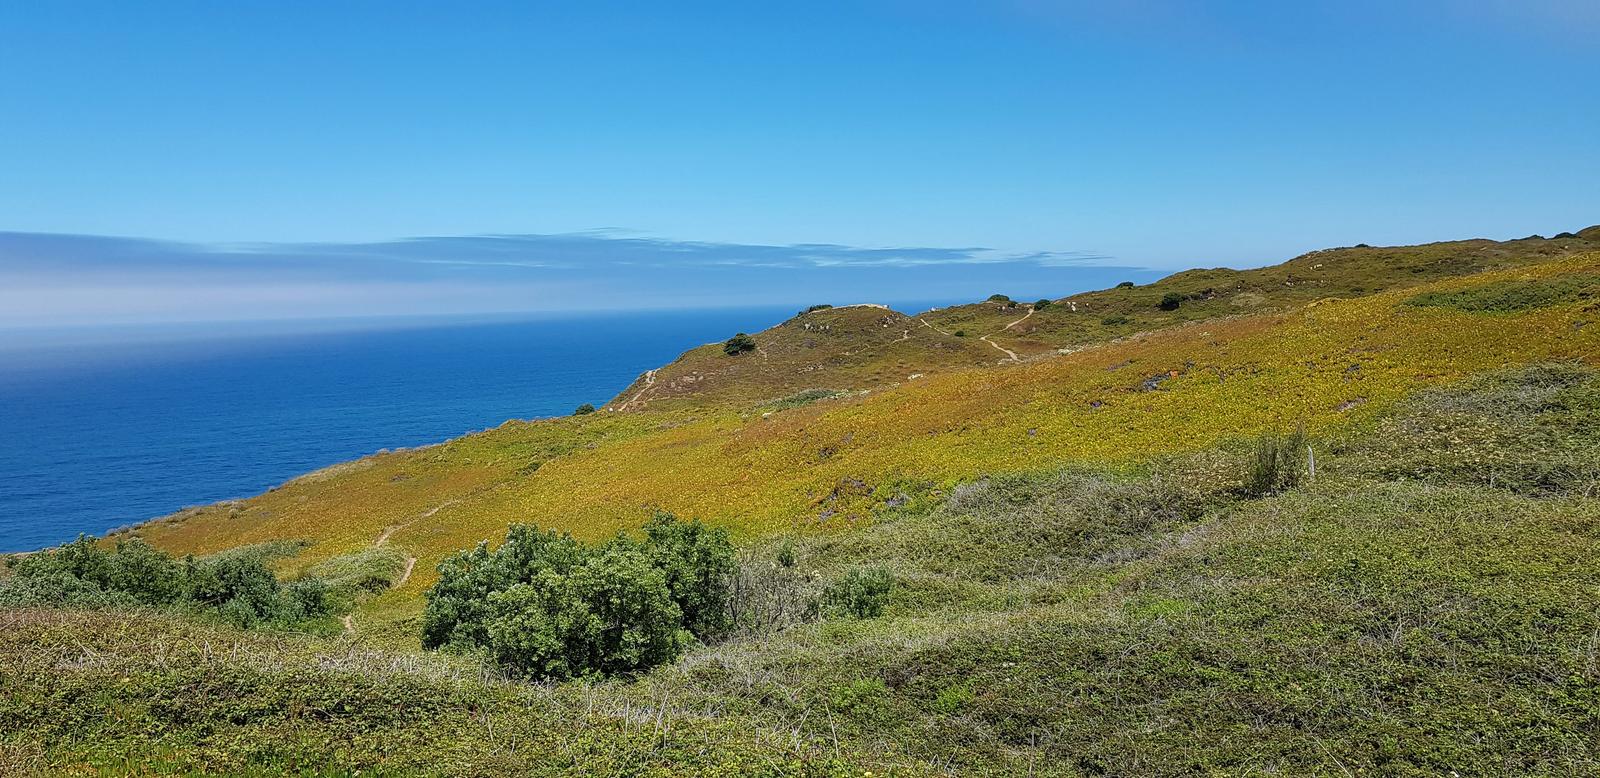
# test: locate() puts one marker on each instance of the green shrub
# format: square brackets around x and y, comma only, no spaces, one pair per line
[583,410]
[367,571]
[1125,285]
[458,609]
[1041,305]
[237,585]
[1279,463]
[1170,301]
[951,699]
[815,308]
[1112,321]
[862,592]
[738,344]
[612,615]
[999,298]
[801,398]
[546,606]
[698,562]
[961,333]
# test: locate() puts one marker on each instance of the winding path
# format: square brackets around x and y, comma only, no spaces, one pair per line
[1021,320]
[1009,353]
[411,561]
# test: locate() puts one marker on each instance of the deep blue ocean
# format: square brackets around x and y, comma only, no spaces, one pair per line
[104,428]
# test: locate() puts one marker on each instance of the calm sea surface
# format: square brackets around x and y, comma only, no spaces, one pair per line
[102,429]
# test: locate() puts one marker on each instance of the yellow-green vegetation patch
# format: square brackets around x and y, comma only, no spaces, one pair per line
[1513,295]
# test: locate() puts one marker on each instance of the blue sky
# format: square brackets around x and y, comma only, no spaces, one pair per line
[285,156]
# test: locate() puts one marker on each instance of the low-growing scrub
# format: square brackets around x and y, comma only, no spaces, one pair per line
[1513,296]
[235,587]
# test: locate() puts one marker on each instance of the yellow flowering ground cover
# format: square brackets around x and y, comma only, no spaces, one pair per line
[825,465]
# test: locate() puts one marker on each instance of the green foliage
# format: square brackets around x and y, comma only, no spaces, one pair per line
[1512,296]
[786,553]
[961,333]
[738,344]
[862,592]
[1114,320]
[458,610]
[698,563]
[1279,463]
[611,615]
[1042,304]
[546,606]
[951,699]
[999,298]
[89,693]
[815,308]
[1125,285]
[583,410]
[237,586]
[1170,301]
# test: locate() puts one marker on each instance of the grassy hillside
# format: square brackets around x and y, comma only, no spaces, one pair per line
[842,349]
[829,464]
[1425,604]
[1193,295]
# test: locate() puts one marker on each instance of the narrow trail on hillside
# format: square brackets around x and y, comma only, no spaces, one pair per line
[383,539]
[411,564]
[1009,353]
[411,561]
[931,327]
[649,381]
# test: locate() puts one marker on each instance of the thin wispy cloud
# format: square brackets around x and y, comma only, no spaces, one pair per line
[68,279]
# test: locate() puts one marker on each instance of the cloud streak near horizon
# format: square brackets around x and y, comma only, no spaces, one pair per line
[63,279]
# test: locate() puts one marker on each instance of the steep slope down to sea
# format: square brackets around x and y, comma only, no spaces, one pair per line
[900,411]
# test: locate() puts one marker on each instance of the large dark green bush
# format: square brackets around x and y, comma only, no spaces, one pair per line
[738,344]
[546,606]
[698,563]
[613,614]
[1170,301]
[458,610]
[583,410]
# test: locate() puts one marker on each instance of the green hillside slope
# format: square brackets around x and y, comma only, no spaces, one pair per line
[1426,603]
